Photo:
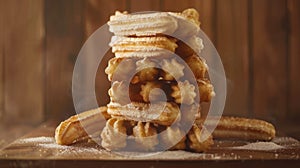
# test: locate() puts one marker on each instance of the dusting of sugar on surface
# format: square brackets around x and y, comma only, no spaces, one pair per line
[262,146]
[48,143]
[41,147]
[54,146]
[178,155]
[286,141]
[36,140]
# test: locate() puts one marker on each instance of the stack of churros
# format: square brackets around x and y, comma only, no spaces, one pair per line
[159,82]
[151,92]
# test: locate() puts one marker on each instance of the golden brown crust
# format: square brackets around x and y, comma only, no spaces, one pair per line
[114,134]
[167,69]
[145,135]
[206,90]
[197,65]
[183,24]
[241,128]
[171,133]
[199,139]
[192,14]
[155,91]
[159,113]
[142,47]
[71,130]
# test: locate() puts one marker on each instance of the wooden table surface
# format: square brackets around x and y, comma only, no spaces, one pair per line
[38,149]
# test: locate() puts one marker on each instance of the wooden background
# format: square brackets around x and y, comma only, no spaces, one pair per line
[258,41]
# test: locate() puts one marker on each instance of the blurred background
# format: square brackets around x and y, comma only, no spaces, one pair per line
[258,41]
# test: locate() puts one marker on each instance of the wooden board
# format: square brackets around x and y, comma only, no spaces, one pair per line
[1,60]
[177,5]
[10,133]
[97,13]
[232,45]
[294,58]
[38,149]
[64,37]
[24,64]
[269,54]
[145,5]
[207,11]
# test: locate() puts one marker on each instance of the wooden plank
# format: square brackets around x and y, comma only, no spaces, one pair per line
[23,73]
[294,59]
[1,59]
[206,9]
[177,5]
[10,133]
[97,15]
[64,37]
[145,5]
[232,45]
[269,41]
[39,145]
[158,164]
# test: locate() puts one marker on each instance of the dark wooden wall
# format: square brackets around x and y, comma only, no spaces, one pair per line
[258,41]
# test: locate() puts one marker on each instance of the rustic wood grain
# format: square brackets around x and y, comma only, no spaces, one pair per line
[294,59]
[96,14]
[24,60]
[269,41]
[207,11]
[232,45]
[64,36]
[1,59]
[145,5]
[40,145]
[177,5]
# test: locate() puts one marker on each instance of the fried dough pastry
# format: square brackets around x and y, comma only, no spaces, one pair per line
[142,70]
[171,133]
[197,65]
[118,133]
[114,134]
[145,135]
[150,24]
[153,92]
[77,127]
[206,90]
[142,47]
[199,139]
[184,93]
[146,92]
[240,128]
[183,49]
[123,69]
[173,69]
[159,113]
[192,15]
[121,134]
